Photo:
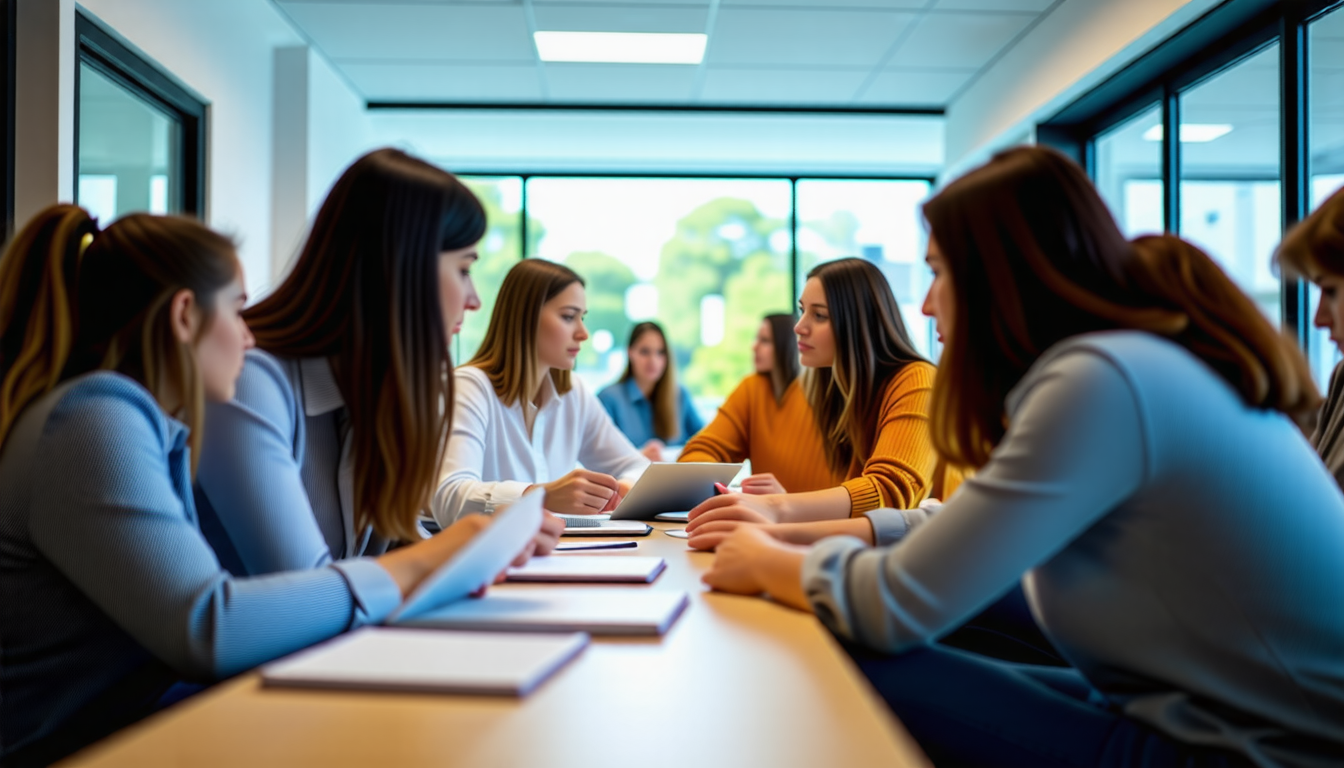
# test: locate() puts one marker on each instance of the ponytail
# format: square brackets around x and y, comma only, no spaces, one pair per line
[38,292]
[1223,327]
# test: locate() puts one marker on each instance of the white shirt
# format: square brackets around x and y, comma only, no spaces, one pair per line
[492,459]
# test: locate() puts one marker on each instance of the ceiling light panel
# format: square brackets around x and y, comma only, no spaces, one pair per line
[621,47]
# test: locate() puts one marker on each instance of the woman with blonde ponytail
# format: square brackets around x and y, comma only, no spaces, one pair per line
[1131,415]
[111,343]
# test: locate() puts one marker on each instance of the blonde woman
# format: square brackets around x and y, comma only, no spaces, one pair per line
[521,418]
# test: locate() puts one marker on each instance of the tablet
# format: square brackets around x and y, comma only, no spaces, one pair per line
[667,487]
[478,562]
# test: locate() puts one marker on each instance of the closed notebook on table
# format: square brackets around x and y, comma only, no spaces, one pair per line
[589,568]
[595,610]
[388,659]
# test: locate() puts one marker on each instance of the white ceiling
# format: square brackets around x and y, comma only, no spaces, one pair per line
[789,53]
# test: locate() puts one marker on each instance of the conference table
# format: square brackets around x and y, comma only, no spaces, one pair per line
[736,681]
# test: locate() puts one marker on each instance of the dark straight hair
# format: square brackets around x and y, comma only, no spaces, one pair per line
[364,293]
[871,347]
[785,356]
[75,300]
[663,398]
[1034,257]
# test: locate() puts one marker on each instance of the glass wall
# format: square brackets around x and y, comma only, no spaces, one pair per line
[707,258]
[1231,199]
[1325,154]
[1129,172]
[877,220]
[499,250]
[129,151]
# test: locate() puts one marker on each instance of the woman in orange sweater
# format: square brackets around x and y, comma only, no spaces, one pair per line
[767,420]
[869,391]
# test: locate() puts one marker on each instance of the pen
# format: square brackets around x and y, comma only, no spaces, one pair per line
[597,545]
[721,488]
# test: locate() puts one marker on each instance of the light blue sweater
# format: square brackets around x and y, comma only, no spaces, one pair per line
[104,574]
[1184,551]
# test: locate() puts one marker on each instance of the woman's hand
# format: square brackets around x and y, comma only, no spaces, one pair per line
[759,485]
[734,506]
[653,450]
[548,536]
[751,561]
[709,535]
[409,565]
[582,492]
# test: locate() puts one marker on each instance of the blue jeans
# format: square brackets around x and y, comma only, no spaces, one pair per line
[966,709]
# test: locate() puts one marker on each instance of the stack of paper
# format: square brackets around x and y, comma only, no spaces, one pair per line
[596,610]
[385,659]
[589,568]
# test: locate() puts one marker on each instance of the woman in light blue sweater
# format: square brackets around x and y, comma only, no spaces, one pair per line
[110,344]
[1130,414]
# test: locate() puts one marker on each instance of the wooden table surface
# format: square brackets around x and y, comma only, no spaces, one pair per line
[736,682]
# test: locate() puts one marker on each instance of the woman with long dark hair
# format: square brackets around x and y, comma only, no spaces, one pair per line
[648,404]
[869,392]
[522,419]
[333,445]
[767,419]
[1132,416]
[112,343]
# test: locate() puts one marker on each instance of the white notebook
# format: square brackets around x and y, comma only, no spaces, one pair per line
[590,568]
[387,659]
[595,610]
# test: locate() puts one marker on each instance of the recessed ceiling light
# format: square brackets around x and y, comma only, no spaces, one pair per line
[1192,133]
[621,47]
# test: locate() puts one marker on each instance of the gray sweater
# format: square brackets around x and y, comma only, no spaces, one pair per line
[1183,551]
[1329,435]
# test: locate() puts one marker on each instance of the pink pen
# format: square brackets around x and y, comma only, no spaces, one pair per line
[721,488]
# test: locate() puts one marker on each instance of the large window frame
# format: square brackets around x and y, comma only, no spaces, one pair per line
[1217,41]
[110,57]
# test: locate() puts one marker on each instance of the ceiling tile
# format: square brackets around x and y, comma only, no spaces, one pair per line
[446,82]
[780,87]
[967,40]
[915,87]
[622,18]
[1036,6]
[623,84]
[415,32]
[799,38]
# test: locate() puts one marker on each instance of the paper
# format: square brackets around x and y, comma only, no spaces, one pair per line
[595,610]
[590,568]
[382,658]
[479,560]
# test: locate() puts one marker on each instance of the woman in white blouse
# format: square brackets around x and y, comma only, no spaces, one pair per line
[522,419]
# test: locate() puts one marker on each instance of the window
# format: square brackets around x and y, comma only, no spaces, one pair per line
[499,250]
[1129,172]
[139,139]
[1325,155]
[877,220]
[707,258]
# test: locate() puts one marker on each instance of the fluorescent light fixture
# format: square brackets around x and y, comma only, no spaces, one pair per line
[621,47]
[1192,133]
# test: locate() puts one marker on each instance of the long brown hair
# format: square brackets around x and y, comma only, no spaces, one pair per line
[663,398]
[871,347]
[364,293]
[785,356]
[508,353]
[1315,246]
[74,300]
[1034,257]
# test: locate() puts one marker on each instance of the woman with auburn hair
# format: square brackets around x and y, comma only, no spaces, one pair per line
[767,419]
[1131,413]
[522,418]
[111,344]
[648,404]
[869,392]
[333,444]
[1315,249]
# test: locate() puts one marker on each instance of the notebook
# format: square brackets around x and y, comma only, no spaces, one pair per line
[479,561]
[590,568]
[387,659]
[595,610]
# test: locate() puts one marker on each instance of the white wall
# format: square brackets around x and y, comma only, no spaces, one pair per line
[1073,49]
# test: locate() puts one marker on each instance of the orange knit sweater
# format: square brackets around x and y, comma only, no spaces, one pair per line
[903,465]
[780,438]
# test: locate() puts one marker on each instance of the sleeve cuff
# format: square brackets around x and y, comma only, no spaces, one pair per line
[502,494]
[863,495]
[889,525]
[374,591]
[824,581]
